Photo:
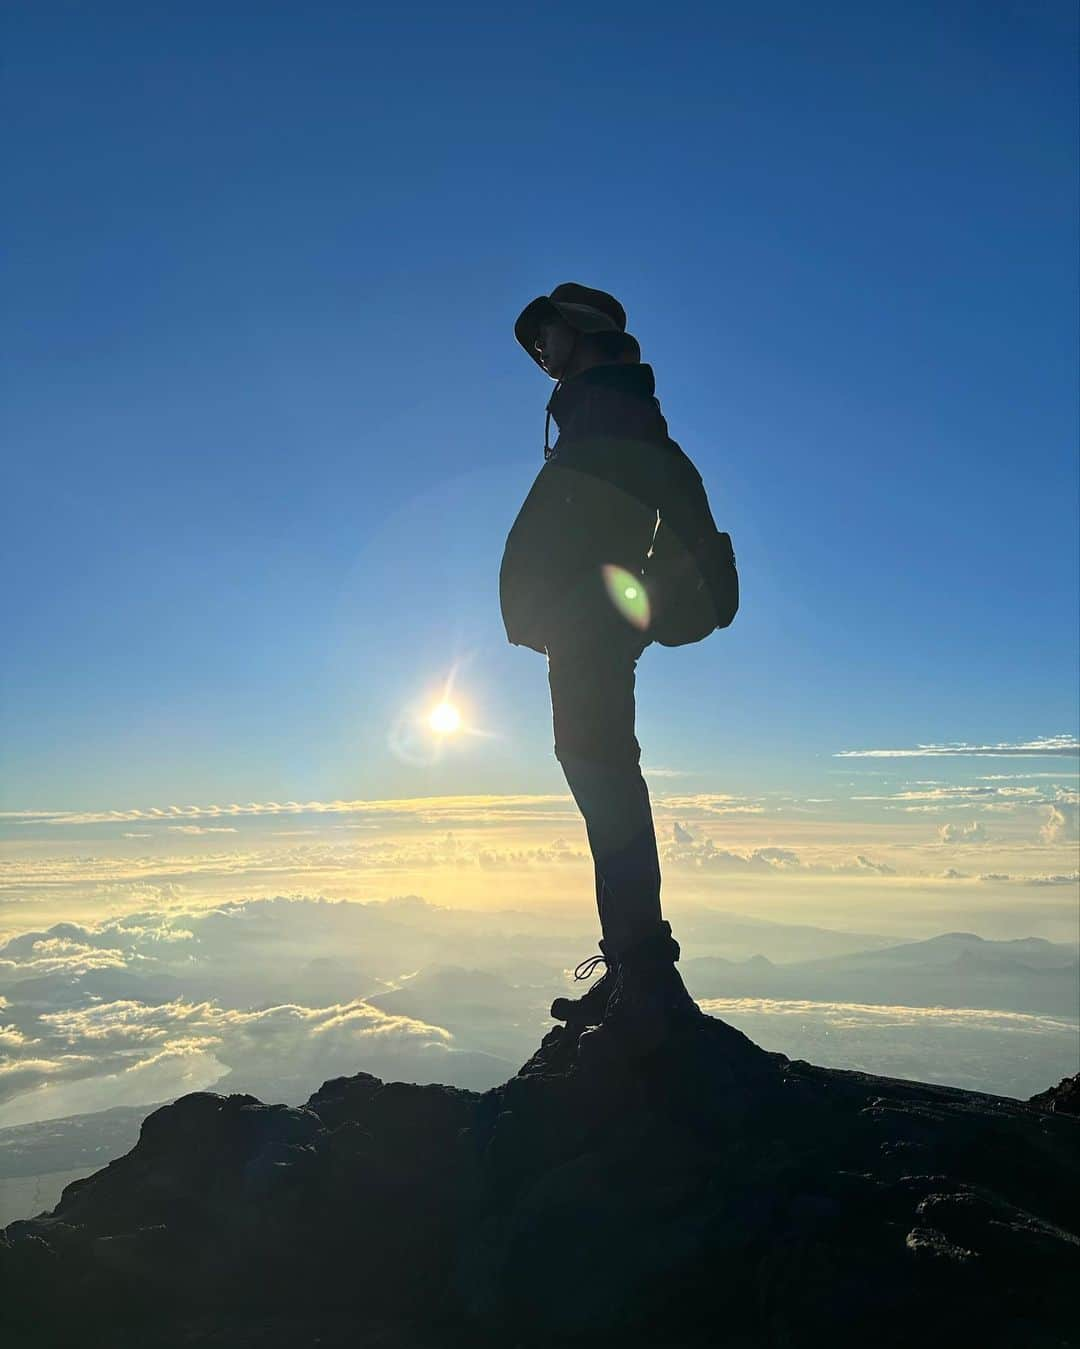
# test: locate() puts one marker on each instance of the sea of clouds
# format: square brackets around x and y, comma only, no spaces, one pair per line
[274,996]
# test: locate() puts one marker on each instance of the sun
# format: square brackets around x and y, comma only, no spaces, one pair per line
[445,719]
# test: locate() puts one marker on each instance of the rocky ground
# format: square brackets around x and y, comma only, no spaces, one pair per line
[712,1194]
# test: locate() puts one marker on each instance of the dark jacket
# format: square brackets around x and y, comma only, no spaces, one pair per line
[613,471]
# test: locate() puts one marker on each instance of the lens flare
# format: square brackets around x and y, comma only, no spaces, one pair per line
[627,593]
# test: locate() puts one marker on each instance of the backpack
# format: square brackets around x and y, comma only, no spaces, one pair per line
[691,592]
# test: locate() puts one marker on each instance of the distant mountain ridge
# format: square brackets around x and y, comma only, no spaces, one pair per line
[955,969]
[1034,952]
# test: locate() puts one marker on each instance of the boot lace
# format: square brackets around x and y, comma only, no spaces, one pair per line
[587,968]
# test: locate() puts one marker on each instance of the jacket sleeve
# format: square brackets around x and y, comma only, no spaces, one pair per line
[516,603]
[524,575]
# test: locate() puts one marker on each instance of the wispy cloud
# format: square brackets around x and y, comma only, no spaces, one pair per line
[202,828]
[1071,878]
[1024,777]
[711,803]
[300,860]
[426,807]
[1040,747]
[484,809]
[965,795]
[1067,878]
[860,1014]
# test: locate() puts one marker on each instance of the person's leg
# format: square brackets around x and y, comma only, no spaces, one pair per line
[618,821]
[592,700]
[598,879]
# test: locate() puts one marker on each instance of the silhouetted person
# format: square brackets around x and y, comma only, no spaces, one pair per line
[567,589]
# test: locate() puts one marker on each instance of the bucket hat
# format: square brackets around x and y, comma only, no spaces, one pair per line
[584,309]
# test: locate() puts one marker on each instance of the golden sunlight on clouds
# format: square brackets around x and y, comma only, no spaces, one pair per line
[1009,874]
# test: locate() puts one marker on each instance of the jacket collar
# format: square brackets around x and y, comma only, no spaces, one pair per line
[636,380]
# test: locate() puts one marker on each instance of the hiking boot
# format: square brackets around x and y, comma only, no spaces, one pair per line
[588,1010]
[648,1003]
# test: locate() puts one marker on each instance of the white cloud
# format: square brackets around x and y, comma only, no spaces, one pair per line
[706,856]
[1040,747]
[880,868]
[200,829]
[972,832]
[475,808]
[709,803]
[1009,1053]
[1064,878]
[11,1038]
[963,795]
[1060,825]
[127,1037]
[140,1007]
[155,873]
[862,1014]
[559,853]
[53,955]
[1004,777]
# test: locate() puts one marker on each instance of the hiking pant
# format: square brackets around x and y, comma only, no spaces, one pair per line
[592,708]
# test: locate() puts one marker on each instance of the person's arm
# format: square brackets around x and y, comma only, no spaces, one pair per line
[530,576]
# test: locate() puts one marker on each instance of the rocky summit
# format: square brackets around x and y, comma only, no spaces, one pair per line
[712,1194]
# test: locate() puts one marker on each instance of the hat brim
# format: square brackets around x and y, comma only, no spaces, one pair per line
[582,318]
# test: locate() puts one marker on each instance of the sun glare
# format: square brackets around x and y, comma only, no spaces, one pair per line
[437,723]
[445,719]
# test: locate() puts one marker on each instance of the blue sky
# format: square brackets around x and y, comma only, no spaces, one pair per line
[267,425]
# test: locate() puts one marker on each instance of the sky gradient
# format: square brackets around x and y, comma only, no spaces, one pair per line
[267,428]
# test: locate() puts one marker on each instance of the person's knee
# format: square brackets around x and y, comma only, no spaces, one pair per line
[605,777]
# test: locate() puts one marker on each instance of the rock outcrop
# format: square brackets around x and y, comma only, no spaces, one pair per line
[712,1194]
[1063,1099]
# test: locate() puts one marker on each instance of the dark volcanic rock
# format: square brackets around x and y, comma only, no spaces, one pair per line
[1063,1099]
[711,1194]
